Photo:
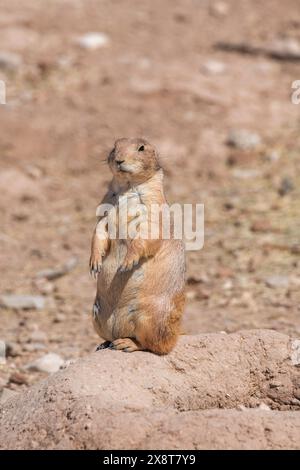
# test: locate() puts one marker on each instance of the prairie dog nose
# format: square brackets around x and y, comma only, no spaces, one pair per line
[119,162]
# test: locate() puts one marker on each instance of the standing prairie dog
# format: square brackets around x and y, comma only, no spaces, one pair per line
[140,281]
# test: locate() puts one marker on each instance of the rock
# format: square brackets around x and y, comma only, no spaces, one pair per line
[285,48]
[32,347]
[213,67]
[191,295]
[185,400]
[60,317]
[44,287]
[246,174]
[286,186]
[145,86]
[277,281]
[38,337]
[242,408]
[295,356]
[51,274]
[219,9]
[13,349]
[49,363]
[93,40]
[10,61]
[261,226]
[6,394]
[272,156]
[22,302]
[243,139]
[264,407]
[18,378]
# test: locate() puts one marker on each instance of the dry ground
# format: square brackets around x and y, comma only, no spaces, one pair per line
[66,106]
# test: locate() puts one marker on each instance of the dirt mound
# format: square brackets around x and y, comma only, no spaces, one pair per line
[116,400]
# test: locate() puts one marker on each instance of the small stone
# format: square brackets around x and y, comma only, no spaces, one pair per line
[93,40]
[275,385]
[243,139]
[10,61]
[24,302]
[191,295]
[228,285]
[18,378]
[145,87]
[213,67]
[286,48]
[219,9]
[277,281]
[13,350]
[38,337]
[245,174]
[33,171]
[49,363]
[242,408]
[286,186]
[60,317]
[6,394]
[295,356]
[43,286]
[261,226]
[264,407]
[55,273]
[272,156]
[32,347]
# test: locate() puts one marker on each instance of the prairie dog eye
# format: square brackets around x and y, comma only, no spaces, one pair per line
[141,148]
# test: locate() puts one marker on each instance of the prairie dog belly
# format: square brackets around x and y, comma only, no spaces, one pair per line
[116,300]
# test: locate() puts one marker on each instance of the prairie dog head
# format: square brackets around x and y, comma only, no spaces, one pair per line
[133,160]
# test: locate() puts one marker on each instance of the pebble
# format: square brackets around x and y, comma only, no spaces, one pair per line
[18,378]
[191,295]
[24,302]
[286,186]
[51,274]
[219,9]
[10,61]
[49,363]
[38,337]
[242,408]
[60,317]
[286,47]
[264,407]
[273,156]
[32,347]
[246,174]
[44,287]
[93,40]
[145,87]
[261,226]
[277,281]
[13,350]
[243,139]
[213,67]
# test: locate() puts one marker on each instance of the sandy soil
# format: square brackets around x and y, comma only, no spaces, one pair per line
[65,107]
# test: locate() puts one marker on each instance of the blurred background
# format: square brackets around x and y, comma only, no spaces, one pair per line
[209,83]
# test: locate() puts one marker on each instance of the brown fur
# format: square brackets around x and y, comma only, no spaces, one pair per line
[140,287]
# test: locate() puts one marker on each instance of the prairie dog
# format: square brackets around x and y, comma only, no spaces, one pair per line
[140,281]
